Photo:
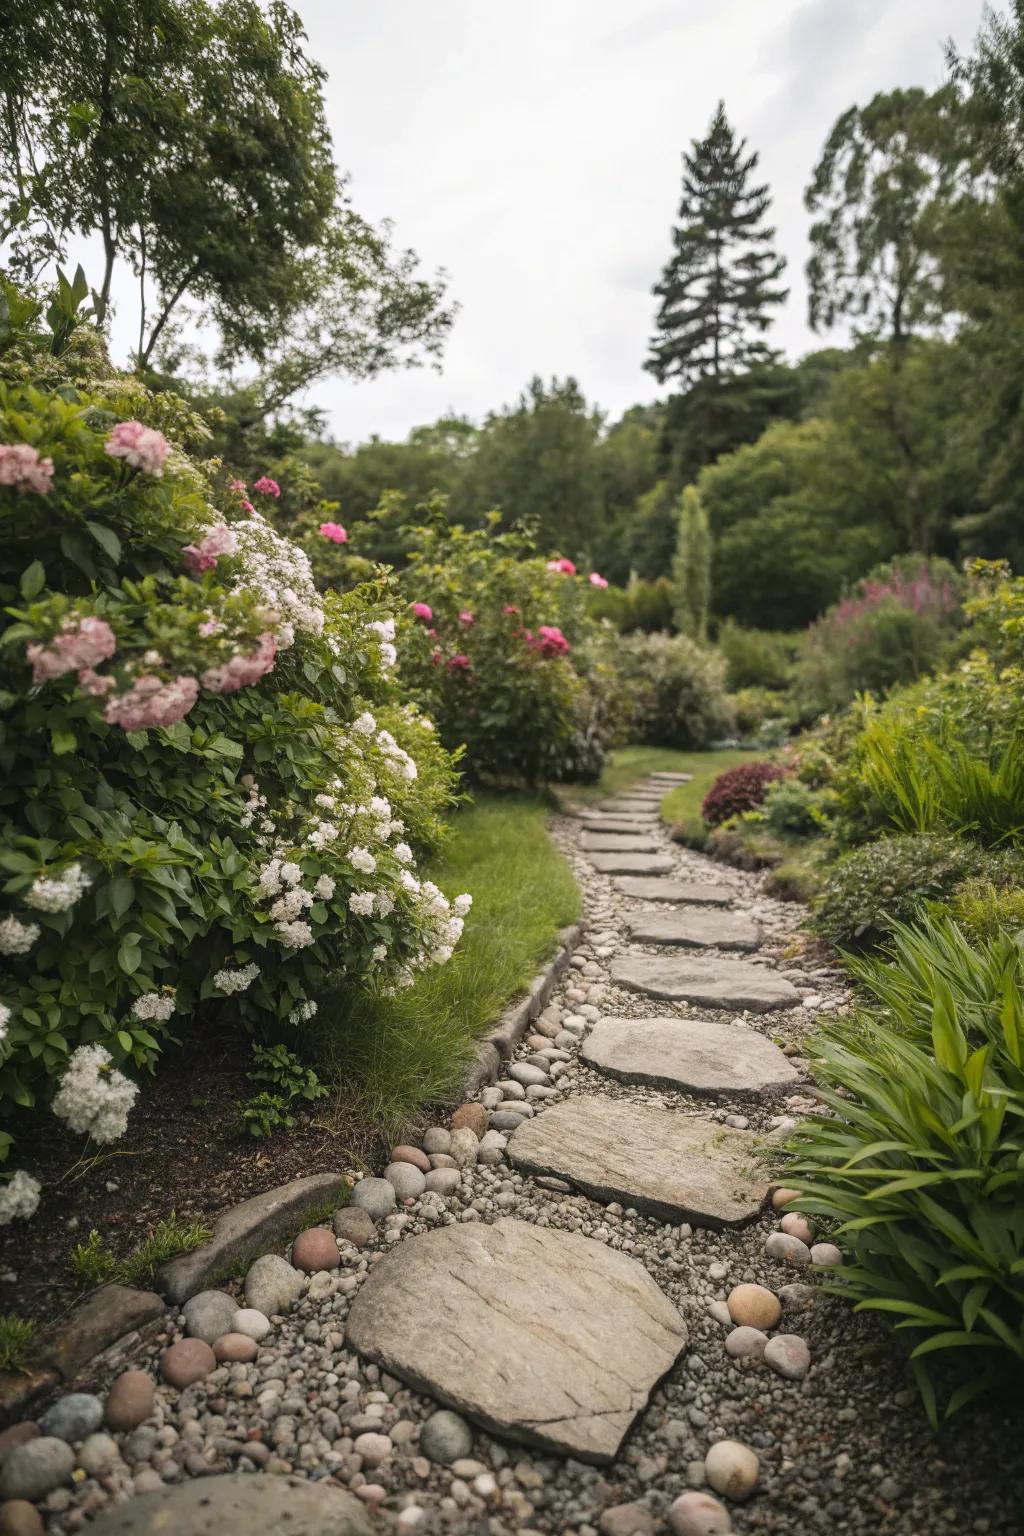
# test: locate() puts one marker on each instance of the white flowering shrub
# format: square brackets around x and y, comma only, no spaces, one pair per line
[212,796]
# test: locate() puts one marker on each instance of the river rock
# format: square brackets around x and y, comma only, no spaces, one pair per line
[473,1116]
[355,1226]
[779,1245]
[20,1518]
[73,1417]
[732,1469]
[374,1196]
[209,1314]
[317,1249]
[130,1400]
[746,1343]
[187,1361]
[445,1437]
[486,1294]
[272,1285]
[754,1306]
[696,1513]
[233,1505]
[788,1355]
[408,1182]
[254,1325]
[33,1470]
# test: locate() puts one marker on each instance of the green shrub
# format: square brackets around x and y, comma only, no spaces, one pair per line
[756,658]
[211,793]
[293,1082]
[893,628]
[672,691]
[984,909]
[16,1335]
[92,1261]
[643,605]
[871,889]
[793,808]
[490,653]
[922,1158]
[758,709]
[930,785]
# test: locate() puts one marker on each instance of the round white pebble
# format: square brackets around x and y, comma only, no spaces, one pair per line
[255,1325]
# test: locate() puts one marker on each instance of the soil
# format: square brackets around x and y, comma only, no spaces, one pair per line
[181,1153]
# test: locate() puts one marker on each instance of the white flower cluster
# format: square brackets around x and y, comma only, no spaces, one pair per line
[94,1098]
[280,574]
[295,935]
[255,807]
[236,981]
[396,757]
[385,628]
[364,724]
[154,1005]
[16,937]
[301,1012]
[19,1197]
[363,860]
[56,895]
[5,1019]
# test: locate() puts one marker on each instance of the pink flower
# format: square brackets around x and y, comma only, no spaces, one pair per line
[459,663]
[435,658]
[204,556]
[510,608]
[596,580]
[80,643]
[22,468]
[266,486]
[333,531]
[423,611]
[563,567]
[467,618]
[242,670]
[95,683]
[247,506]
[549,640]
[141,447]
[237,485]
[151,702]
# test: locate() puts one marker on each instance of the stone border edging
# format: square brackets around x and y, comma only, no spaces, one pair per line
[497,1047]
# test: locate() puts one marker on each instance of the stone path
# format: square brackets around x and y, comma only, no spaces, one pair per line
[572,1311]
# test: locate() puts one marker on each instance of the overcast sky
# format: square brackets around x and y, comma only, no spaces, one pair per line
[531,148]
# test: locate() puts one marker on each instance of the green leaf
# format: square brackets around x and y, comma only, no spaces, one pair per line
[107,539]
[63,742]
[33,580]
[124,1040]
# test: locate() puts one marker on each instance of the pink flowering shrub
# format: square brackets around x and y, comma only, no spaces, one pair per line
[213,795]
[893,627]
[491,654]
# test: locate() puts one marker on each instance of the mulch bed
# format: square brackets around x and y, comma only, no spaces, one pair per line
[182,1153]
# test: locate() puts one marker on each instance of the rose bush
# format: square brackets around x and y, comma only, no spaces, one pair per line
[494,649]
[212,795]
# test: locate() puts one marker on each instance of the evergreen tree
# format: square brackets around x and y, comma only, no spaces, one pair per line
[722,280]
[691,568]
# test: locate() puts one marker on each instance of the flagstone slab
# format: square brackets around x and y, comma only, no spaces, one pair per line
[671,778]
[660,889]
[619,842]
[631,863]
[710,983]
[542,1335]
[695,930]
[702,1055]
[239,1504]
[633,806]
[632,826]
[668,1165]
[634,818]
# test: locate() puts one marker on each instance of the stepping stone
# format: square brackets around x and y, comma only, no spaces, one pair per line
[648,792]
[631,863]
[697,1054]
[632,826]
[619,842]
[630,807]
[239,1505]
[538,1334]
[675,890]
[732,984]
[671,778]
[672,1166]
[696,930]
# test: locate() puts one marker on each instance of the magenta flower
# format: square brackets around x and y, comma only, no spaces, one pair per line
[23,469]
[467,618]
[459,663]
[563,567]
[266,486]
[242,670]
[237,485]
[423,611]
[596,580]
[510,608]
[204,556]
[333,531]
[151,702]
[549,640]
[141,447]
[81,643]
[247,506]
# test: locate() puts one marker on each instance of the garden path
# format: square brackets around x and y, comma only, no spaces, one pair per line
[576,1311]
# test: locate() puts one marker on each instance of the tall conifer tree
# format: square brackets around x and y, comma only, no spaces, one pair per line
[721,282]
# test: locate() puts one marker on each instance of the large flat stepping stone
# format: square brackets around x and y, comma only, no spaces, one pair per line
[696,1054]
[696,930]
[538,1334]
[631,863]
[631,807]
[619,842]
[672,1166]
[239,1504]
[666,777]
[630,826]
[660,889]
[711,983]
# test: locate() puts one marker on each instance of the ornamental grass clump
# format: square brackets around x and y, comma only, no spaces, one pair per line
[921,1160]
[212,794]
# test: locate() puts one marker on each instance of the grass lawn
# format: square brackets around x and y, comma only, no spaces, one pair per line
[390,1056]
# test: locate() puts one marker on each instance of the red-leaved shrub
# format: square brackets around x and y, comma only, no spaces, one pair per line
[738,789]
